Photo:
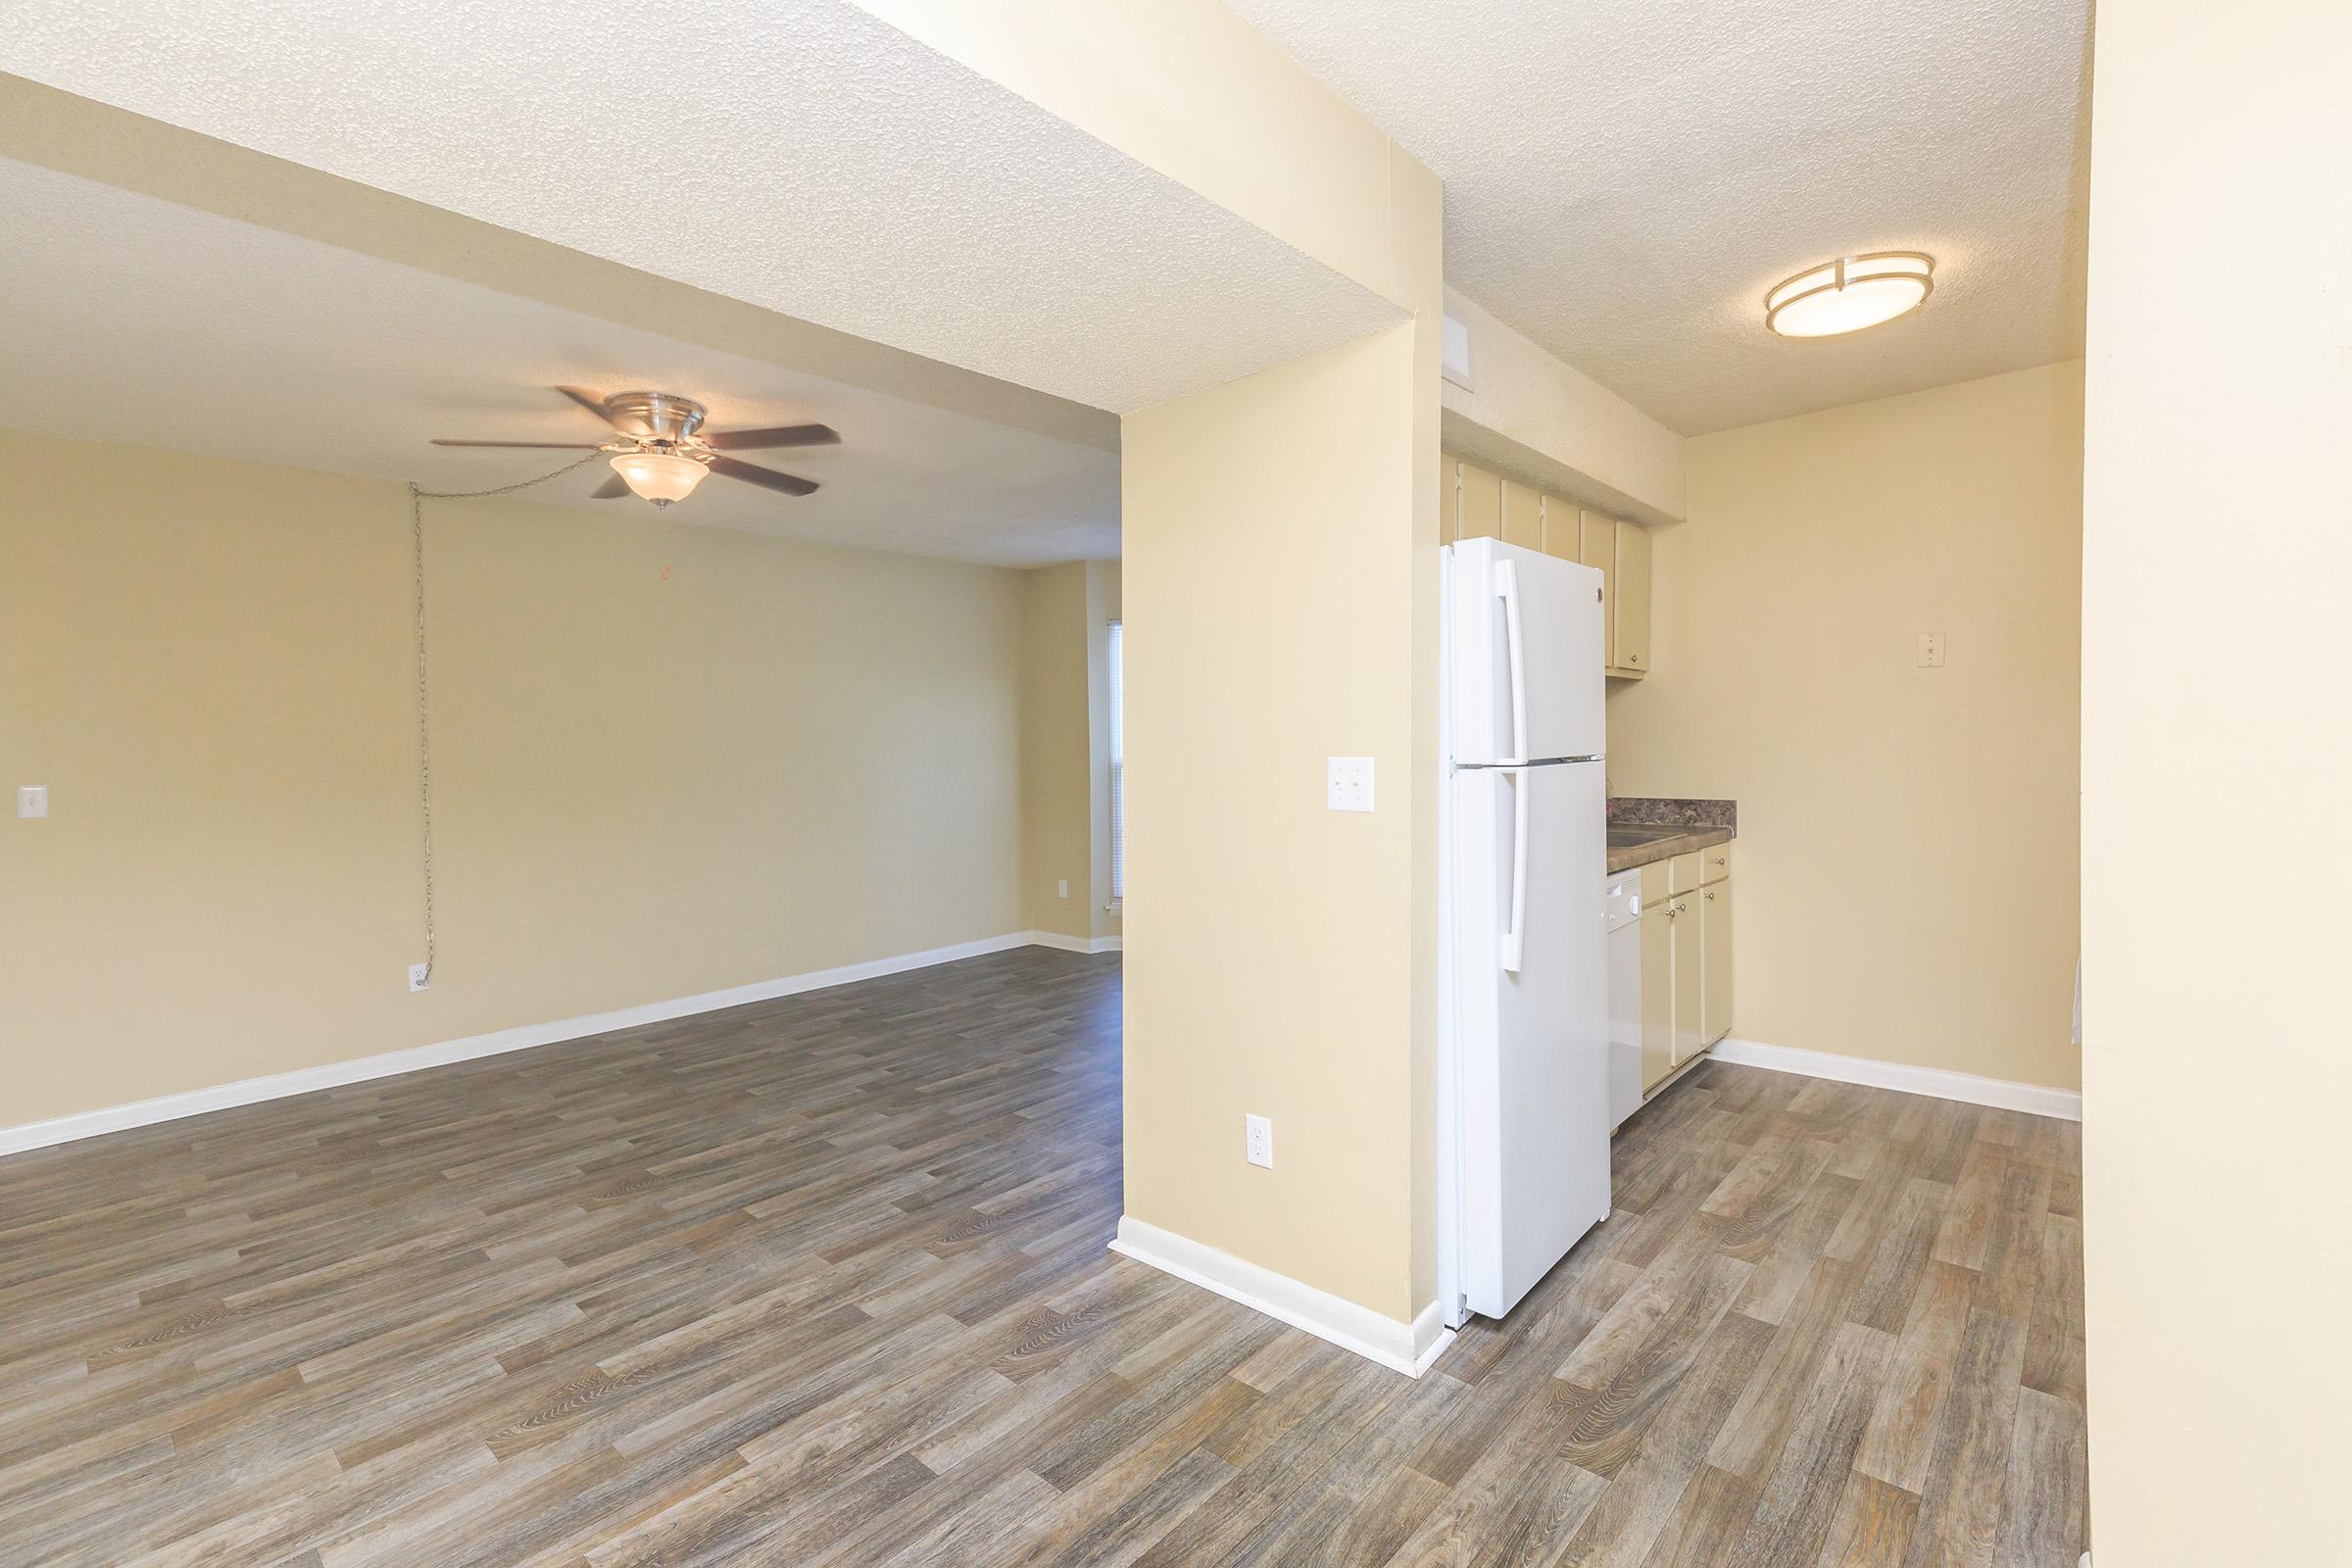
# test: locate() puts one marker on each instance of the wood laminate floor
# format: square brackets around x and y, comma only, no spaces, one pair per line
[822,1281]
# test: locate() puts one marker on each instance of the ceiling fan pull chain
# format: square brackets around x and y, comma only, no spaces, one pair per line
[425,712]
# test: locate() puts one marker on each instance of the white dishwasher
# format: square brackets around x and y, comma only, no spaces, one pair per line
[1621,910]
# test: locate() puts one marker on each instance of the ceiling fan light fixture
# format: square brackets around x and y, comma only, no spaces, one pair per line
[1849,293]
[659,477]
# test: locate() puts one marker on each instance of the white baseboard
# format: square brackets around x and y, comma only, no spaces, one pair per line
[303,1081]
[2034,1099]
[1407,1348]
[1068,944]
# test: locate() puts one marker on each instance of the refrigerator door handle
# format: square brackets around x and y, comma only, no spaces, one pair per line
[1514,938]
[1506,589]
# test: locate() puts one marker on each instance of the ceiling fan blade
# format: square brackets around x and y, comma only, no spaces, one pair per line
[549,446]
[774,435]
[592,403]
[766,478]
[611,489]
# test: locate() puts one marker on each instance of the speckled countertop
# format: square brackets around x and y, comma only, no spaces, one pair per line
[1630,847]
[1646,829]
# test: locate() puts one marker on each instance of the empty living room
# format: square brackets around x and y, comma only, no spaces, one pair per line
[1202,782]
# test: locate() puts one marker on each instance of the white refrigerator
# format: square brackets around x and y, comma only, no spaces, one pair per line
[1523,1091]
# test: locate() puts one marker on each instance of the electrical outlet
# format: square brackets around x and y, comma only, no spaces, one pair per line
[1930,650]
[1348,783]
[32,800]
[420,976]
[1061,889]
[1257,1139]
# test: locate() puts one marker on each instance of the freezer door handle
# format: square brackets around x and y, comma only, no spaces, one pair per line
[1514,938]
[1506,589]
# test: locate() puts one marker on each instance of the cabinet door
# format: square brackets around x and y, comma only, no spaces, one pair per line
[1715,961]
[1481,505]
[1657,992]
[1522,516]
[1689,980]
[1562,535]
[1632,635]
[1597,547]
[1450,479]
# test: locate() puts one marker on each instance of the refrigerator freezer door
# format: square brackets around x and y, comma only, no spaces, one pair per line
[1537,684]
[1532,1055]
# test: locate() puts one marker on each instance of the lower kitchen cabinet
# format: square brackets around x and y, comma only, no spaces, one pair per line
[1690,975]
[1686,960]
[1715,961]
[1657,985]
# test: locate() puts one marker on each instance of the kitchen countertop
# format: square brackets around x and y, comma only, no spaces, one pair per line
[1632,844]
[1644,828]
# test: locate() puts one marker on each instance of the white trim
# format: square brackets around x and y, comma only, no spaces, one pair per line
[1407,1348]
[1068,944]
[1943,1084]
[303,1081]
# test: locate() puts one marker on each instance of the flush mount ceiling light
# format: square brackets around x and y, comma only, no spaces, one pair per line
[1850,293]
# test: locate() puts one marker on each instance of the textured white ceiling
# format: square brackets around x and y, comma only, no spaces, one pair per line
[799,154]
[135,320]
[1624,179]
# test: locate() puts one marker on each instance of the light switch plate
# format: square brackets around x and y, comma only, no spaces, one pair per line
[1257,1141]
[32,800]
[1930,650]
[1348,783]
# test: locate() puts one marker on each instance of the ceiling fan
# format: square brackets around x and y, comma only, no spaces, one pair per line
[659,450]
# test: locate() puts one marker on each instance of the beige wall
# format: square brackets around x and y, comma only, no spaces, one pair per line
[2217,753]
[1057,804]
[1101,609]
[668,760]
[1280,604]
[1065,749]
[1270,963]
[1907,849]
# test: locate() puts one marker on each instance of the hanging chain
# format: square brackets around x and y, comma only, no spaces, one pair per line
[424,723]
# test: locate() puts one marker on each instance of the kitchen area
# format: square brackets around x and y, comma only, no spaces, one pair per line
[1586,937]
[1667,898]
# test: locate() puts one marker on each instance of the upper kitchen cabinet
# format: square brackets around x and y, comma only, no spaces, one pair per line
[1621,550]
[1628,639]
[1597,547]
[1563,531]
[1478,503]
[1522,517]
